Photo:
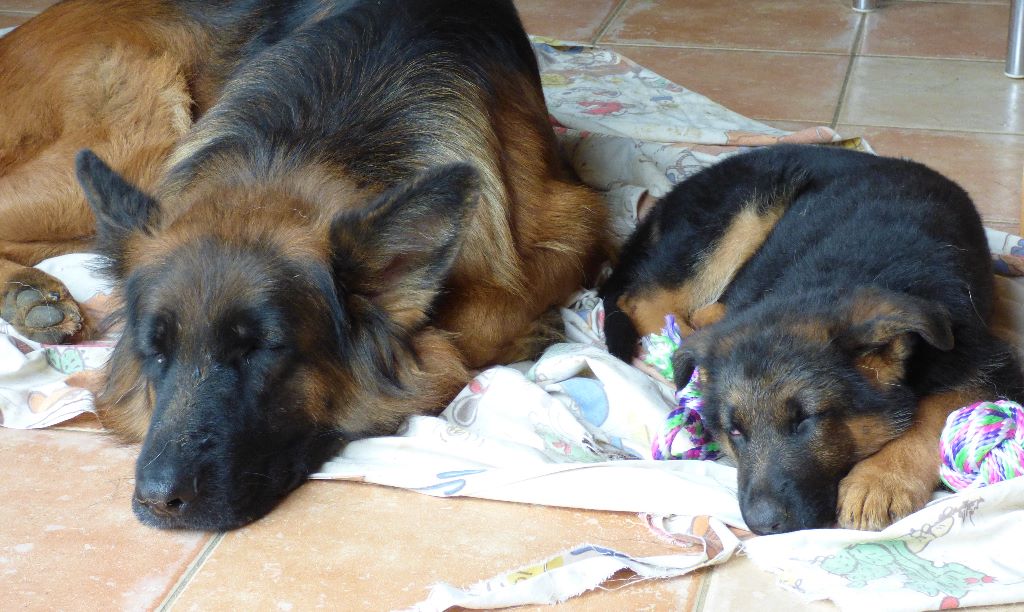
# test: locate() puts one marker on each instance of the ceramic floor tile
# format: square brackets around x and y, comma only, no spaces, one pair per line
[741,585]
[9,20]
[576,21]
[353,546]
[28,6]
[916,29]
[933,94]
[69,538]
[786,25]
[988,166]
[780,86]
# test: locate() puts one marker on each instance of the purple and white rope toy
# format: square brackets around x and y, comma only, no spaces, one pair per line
[982,444]
[668,444]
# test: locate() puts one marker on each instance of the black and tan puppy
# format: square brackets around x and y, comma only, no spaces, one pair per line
[841,303]
[319,214]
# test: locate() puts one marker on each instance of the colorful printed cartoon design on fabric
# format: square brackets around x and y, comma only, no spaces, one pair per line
[863,563]
[1011,261]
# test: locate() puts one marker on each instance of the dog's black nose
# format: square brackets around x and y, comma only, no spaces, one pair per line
[766,516]
[165,493]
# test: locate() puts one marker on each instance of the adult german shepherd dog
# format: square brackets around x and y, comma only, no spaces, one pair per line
[319,214]
[841,305]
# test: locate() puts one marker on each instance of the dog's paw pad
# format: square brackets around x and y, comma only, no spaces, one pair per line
[40,307]
[43,316]
[27,298]
[873,499]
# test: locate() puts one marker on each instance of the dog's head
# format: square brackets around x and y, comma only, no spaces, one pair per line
[258,337]
[797,397]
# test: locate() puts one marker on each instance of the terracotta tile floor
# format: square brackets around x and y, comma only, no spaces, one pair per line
[920,79]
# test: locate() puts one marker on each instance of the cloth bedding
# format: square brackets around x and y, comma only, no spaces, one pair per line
[576,427]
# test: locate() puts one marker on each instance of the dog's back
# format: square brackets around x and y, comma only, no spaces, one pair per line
[856,221]
[834,220]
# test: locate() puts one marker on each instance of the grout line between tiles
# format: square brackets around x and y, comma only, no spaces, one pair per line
[976,60]
[958,130]
[608,19]
[627,43]
[190,573]
[705,585]
[854,52]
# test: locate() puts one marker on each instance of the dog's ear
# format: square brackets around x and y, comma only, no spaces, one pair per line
[119,207]
[881,328]
[398,251]
[685,360]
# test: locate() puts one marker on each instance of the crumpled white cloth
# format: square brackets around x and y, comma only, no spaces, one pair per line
[556,435]
[569,573]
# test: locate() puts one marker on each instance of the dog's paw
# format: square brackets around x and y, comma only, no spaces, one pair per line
[872,497]
[40,307]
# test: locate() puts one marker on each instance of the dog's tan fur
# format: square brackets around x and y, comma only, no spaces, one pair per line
[717,267]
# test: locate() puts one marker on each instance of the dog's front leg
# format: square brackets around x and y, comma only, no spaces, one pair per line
[899,479]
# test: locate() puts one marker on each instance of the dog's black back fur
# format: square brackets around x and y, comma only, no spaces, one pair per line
[862,220]
[375,88]
[855,220]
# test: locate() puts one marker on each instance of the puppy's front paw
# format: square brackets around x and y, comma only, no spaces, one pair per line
[40,307]
[872,497]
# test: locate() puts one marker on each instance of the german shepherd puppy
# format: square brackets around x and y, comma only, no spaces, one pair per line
[841,303]
[319,215]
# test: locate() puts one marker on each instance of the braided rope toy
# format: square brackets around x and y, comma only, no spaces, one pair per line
[687,416]
[982,444]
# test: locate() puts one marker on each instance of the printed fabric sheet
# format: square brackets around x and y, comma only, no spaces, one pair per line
[576,428]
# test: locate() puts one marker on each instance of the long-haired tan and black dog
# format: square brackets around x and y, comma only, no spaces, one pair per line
[318,213]
[841,303]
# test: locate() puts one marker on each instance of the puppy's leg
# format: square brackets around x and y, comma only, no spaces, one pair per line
[899,479]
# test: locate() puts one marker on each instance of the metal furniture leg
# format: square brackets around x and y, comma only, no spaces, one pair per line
[1015,42]
[865,5]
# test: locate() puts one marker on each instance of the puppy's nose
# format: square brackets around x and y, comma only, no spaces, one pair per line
[766,516]
[165,492]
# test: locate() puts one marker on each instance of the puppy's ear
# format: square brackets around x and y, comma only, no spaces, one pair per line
[692,352]
[882,327]
[119,207]
[398,251]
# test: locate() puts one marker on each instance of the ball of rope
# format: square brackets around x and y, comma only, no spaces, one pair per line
[668,443]
[982,444]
